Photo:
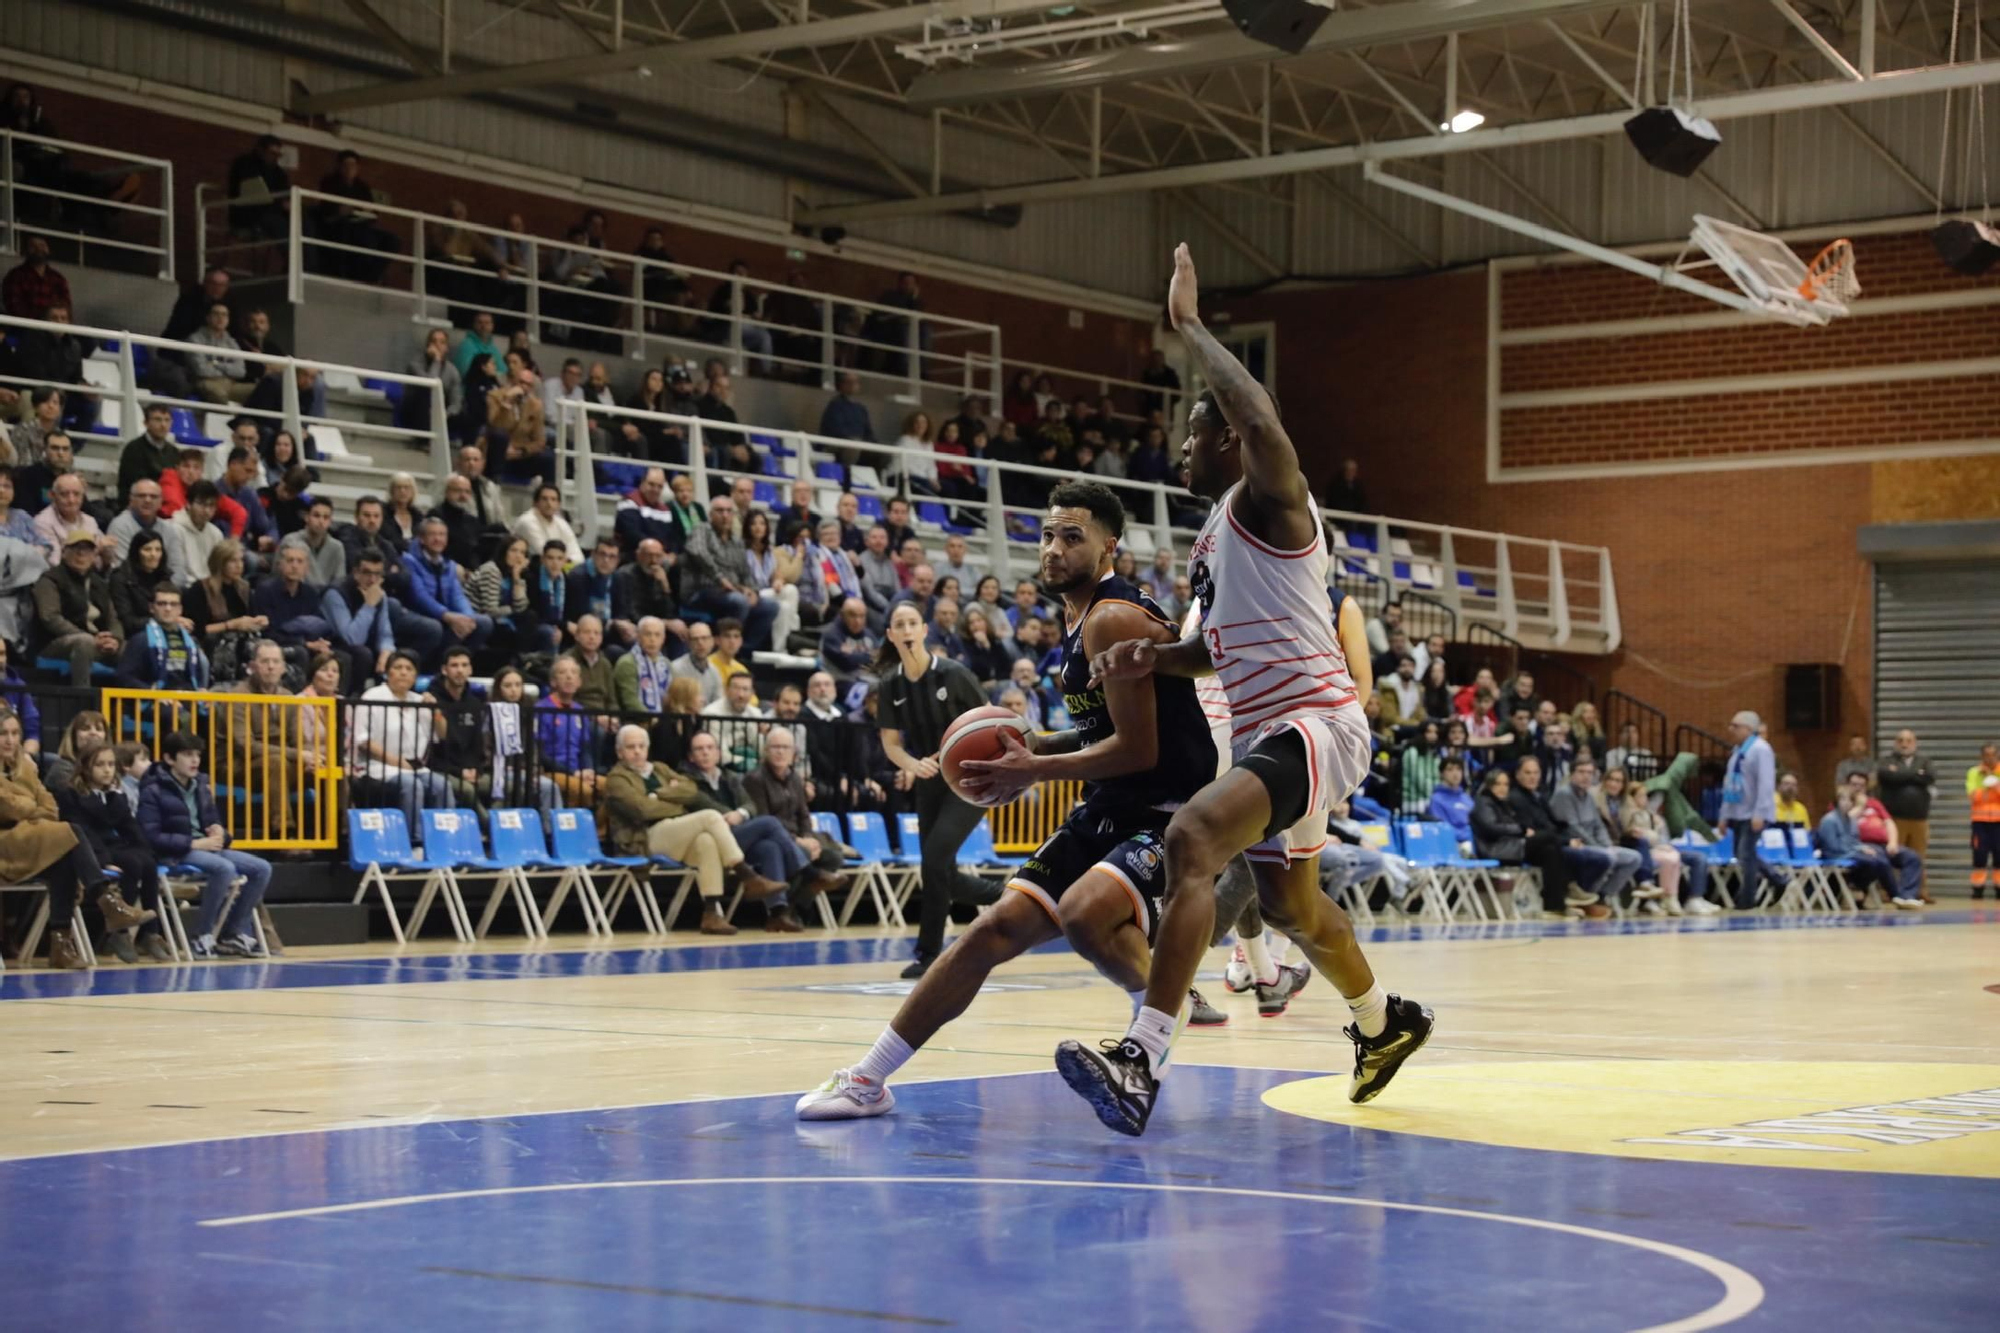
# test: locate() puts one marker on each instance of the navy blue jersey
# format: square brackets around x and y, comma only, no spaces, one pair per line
[1187,749]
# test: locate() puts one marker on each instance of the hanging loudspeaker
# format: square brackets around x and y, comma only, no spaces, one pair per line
[1285,24]
[1969,247]
[1671,139]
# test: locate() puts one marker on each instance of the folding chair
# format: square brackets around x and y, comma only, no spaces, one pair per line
[1774,848]
[518,843]
[378,845]
[184,882]
[1722,867]
[1449,885]
[884,879]
[452,843]
[40,921]
[578,851]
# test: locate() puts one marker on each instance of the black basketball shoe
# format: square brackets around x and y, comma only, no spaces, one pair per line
[1376,1059]
[1116,1079]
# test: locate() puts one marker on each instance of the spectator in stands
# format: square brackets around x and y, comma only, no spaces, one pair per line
[26,443]
[238,483]
[1384,624]
[922,592]
[253,334]
[464,727]
[1786,806]
[735,303]
[881,579]
[34,285]
[845,416]
[1859,759]
[287,501]
[777,789]
[133,582]
[147,456]
[1347,494]
[1462,702]
[511,732]
[189,468]
[366,533]
[1027,604]
[1038,641]
[987,655]
[433,361]
[798,515]
[1586,731]
[392,739]
[160,651]
[647,813]
[696,666]
[1623,805]
[1547,846]
[727,449]
[17,523]
[716,573]
[498,590]
[734,711]
[644,588]
[1432,649]
[986,596]
[401,514]
[1399,648]
[436,592]
[728,654]
[567,386]
[295,614]
[1158,578]
[1437,692]
[1596,856]
[35,841]
[1748,804]
[1163,382]
[1521,690]
[847,509]
[764,840]
[281,453]
[589,588]
[181,822]
[74,615]
[220,375]
[829,577]
[544,523]
[348,220]
[1906,781]
[743,491]
[642,677]
[326,558]
[944,635]
[93,804]
[1402,696]
[463,538]
[265,219]
[1555,752]
[56,357]
[1450,803]
[14,694]
[1418,766]
[775,572]
[219,608]
[848,645]
[514,414]
[565,735]
[1024,678]
[361,616]
[644,513]
[1859,829]
[660,441]
[548,589]
[1638,762]
[478,341]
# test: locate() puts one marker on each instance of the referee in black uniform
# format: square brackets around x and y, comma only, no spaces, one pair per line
[921,694]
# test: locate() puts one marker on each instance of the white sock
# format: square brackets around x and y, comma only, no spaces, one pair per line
[1371,1011]
[1280,945]
[1154,1031]
[1258,955]
[1138,1000]
[889,1053]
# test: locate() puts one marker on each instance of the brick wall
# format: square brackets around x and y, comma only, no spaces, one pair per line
[1031,328]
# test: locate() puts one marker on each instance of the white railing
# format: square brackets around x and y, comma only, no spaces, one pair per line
[122,387]
[1557,591]
[44,193]
[642,306]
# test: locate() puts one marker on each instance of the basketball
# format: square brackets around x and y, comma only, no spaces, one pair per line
[976,734]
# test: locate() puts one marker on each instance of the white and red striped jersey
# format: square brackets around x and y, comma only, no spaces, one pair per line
[1268,624]
[1208,693]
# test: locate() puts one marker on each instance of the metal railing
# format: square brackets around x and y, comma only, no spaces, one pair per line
[1027,823]
[124,388]
[1620,710]
[271,758]
[44,192]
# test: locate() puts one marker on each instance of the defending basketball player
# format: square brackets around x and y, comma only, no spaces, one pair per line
[1139,745]
[1298,737]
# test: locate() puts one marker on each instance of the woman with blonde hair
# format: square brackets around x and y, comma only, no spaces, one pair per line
[400,515]
[87,728]
[1623,804]
[1586,729]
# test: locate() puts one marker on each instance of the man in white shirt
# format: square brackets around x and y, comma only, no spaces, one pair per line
[545,523]
[736,715]
[200,534]
[390,741]
[956,566]
[66,514]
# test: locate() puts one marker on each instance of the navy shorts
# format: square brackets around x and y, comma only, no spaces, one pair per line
[1127,842]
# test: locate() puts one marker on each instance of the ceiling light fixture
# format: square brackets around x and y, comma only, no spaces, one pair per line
[1463,121]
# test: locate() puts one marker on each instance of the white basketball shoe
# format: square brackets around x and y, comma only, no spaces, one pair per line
[846,1096]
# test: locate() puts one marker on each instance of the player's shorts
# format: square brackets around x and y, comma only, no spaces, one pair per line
[1308,764]
[1126,842]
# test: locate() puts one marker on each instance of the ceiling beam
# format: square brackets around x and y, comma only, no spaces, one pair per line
[1735,106]
[1343,30]
[1233,238]
[594,64]
[385,33]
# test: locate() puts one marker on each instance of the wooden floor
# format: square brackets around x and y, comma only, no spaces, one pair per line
[1692,1044]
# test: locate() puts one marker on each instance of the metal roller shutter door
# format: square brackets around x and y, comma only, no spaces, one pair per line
[1937,672]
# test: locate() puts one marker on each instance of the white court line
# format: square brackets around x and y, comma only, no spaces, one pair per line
[1741,1293]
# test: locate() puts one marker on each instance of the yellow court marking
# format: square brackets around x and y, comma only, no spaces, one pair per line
[1928,1119]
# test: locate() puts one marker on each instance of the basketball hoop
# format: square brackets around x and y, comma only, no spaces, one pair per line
[1832,273]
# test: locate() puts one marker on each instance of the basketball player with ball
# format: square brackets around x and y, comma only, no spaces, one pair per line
[1299,739]
[1140,746]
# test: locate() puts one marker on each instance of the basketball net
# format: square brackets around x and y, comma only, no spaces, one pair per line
[1831,274]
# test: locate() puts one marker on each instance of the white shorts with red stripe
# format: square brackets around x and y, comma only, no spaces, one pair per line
[1338,748]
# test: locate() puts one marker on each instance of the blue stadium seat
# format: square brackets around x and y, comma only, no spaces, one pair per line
[871,505]
[766,493]
[580,854]
[378,846]
[452,840]
[827,472]
[978,850]
[909,836]
[390,389]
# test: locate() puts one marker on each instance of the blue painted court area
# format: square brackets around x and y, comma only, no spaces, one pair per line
[292,974]
[980,1204]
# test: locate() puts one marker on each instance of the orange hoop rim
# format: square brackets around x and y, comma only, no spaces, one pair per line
[1835,260]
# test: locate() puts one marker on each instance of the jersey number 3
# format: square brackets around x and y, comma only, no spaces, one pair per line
[1215,654]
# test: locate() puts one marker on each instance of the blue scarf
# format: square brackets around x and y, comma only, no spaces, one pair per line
[652,680]
[1734,791]
[156,648]
[553,590]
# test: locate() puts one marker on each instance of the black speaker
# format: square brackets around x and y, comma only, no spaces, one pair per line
[1812,696]
[1671,139]
[1285,24]
[1969,247]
